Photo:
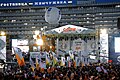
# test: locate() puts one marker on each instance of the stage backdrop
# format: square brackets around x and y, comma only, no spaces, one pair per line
[82,47]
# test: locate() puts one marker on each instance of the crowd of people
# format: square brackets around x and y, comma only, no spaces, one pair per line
[87,72]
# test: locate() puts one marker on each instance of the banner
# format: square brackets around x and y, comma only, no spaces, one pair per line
[92,45]
[78,45]
[104,48]
[16,3]
[22,44]
[32,64]
[63,46]
[3,48]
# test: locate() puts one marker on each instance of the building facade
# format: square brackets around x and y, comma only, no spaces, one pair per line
[24,20]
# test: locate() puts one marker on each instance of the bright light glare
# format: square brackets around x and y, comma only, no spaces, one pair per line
[41,29]
[103,31]
[92,57]
[35,36]
[39,42]
[37,32]
[2,33]
[50,47]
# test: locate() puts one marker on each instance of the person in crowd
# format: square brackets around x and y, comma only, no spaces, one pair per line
[88,72]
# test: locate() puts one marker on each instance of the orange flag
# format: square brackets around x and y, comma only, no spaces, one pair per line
[19,57]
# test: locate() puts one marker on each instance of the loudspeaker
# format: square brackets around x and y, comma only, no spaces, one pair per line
[118,23]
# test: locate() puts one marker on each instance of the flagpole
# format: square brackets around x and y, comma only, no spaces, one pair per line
[57,48]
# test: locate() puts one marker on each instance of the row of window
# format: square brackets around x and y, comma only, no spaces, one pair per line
[13,29]
[76,19]
[61,8]
[94,15]
[40,24]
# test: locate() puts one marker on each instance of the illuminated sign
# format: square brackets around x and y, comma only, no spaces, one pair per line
[69,29]
[16,3]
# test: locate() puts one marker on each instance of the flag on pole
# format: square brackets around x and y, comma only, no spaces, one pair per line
[39,60]
[71,55]
[55,60]
[19,57]
[32,64]
[47,58]
[37,63]
[68,62]
[62,61]
[77,61]
[43,65]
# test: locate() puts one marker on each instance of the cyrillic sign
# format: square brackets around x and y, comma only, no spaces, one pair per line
[16,3]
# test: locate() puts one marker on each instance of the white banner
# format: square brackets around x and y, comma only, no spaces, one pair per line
[104,43]
[92,45]
[78,45]
[22,44]
[3,47]
[104,48]
[63,47]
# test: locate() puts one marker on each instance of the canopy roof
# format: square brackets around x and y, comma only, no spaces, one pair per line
[71,29]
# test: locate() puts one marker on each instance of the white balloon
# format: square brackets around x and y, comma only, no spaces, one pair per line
[52,15]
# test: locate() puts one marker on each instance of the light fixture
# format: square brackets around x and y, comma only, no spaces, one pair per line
[2,33]
[41,29]
[37,32]
[50,47]
[103,31]
[39,42]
